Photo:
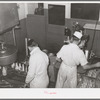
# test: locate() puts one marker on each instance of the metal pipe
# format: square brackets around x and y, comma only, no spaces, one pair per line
[26,46]
[13,31]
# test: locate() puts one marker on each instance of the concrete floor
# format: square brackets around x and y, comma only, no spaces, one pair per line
[15,79]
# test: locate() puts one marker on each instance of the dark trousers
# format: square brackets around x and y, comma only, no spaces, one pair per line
[56,73]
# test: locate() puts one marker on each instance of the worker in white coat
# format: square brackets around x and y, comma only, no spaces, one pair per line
[71,56]
[37,75]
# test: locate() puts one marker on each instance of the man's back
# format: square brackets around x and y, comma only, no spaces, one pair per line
[37,73]
[42,63]
[69,54]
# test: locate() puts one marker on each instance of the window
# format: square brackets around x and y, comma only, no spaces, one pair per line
[56,14]
[85,11]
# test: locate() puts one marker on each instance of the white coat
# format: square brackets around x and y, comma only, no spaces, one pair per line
[37,73]
[71,56]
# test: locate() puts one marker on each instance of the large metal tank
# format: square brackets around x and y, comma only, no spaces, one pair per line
[8,54]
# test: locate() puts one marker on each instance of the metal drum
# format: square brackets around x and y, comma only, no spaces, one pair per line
[8,54]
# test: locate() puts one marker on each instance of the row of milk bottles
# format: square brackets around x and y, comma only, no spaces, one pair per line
[20,67]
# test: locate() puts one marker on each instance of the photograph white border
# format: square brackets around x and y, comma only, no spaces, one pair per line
[49,93]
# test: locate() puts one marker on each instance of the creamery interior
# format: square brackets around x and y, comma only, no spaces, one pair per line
[49,45]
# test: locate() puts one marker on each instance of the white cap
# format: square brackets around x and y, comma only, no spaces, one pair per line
[77,34]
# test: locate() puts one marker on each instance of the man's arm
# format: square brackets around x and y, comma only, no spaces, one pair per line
[58,59]
[31,71]
[89,66]
[84,63]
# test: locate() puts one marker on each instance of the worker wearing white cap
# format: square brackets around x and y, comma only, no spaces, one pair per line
[78,34]
[71,56]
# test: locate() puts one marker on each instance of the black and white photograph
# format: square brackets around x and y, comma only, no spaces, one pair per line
[49,45]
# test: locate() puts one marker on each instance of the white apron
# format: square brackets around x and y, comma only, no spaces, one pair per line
[67,77]
[40,82]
